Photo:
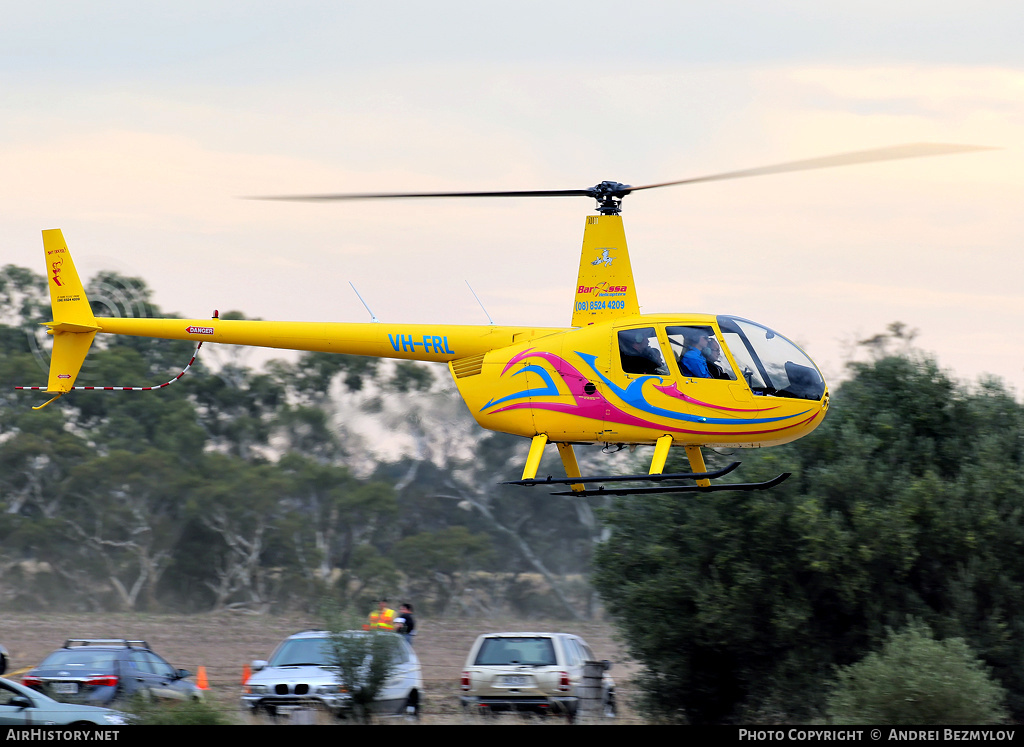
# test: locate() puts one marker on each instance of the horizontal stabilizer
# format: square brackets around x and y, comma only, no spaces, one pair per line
[56,327]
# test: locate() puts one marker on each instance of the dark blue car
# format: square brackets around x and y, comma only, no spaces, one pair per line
[98,671]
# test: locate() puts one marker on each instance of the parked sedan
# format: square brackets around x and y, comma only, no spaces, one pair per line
[98,671]
[23,706]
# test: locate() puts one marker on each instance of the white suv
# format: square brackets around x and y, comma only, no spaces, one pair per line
[300,676]
[538,672]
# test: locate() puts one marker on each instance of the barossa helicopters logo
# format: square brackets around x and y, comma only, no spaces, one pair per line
[603,289]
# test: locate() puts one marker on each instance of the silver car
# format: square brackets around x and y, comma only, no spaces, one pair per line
[533,672]
[300,676]
[23,706]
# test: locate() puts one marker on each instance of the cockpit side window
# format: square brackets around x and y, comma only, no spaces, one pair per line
[640,352]
[699,353]
[749,369]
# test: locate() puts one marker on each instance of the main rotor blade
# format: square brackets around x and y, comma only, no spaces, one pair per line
[913,150]
[395,195]
[606,191]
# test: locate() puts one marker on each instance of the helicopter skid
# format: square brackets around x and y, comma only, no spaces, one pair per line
[672,488]
[549,480]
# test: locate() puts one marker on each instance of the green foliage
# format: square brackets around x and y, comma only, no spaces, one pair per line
[434,562]
[315,372]
[308,432]
[907,501]
[144,712]
[364,660]
[22,296]
[410,376]
[915,679]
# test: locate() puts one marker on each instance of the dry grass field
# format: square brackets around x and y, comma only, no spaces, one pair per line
[224,643]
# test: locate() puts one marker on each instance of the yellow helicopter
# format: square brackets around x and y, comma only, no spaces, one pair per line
[614,376]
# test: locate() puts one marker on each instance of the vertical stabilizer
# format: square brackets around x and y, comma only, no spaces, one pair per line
[604,288]
[73,326]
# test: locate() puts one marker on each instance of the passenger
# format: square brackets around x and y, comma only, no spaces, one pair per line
[713,354]
[638,357]
[692,362]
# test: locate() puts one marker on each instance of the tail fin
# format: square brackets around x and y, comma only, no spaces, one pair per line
[73,326]
[604,288]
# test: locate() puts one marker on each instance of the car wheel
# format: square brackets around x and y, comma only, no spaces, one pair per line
[412,704]
[3,663]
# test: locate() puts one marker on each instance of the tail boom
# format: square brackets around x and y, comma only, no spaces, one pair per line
[424,342]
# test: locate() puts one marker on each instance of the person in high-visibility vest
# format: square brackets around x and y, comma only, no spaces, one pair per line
[382,618]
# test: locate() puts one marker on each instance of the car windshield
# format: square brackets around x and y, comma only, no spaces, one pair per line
[518,650]
[314,652]
[80,659]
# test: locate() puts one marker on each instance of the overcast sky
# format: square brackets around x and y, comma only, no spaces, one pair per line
[135,127]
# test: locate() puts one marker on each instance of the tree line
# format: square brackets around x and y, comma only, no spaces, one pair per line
[251,486]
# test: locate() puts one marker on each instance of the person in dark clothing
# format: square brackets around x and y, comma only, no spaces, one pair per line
[637,354]
[713,354]
[405,624]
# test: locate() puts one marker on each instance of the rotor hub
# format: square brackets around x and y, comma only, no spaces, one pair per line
[609,196]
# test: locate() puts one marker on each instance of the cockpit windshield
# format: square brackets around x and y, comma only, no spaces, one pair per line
[769,362]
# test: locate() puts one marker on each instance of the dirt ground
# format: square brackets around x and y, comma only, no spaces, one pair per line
[222,644]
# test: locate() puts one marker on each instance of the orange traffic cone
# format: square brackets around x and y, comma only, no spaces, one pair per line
[246,674]
[201,682]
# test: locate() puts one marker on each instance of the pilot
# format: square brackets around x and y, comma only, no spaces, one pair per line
[638,357]
[692,362]
[712,354]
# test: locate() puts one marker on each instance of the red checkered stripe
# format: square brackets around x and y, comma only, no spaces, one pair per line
[123,388]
